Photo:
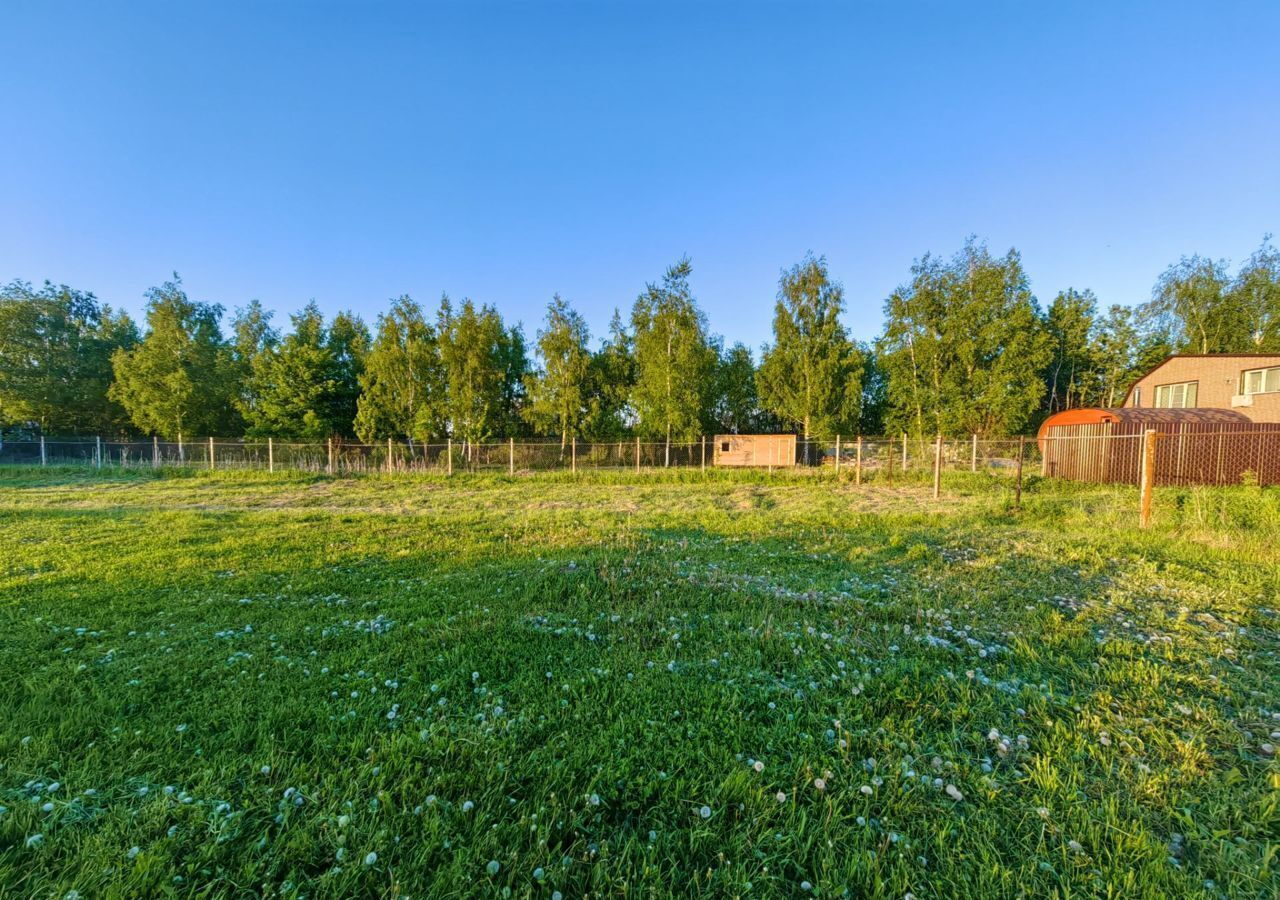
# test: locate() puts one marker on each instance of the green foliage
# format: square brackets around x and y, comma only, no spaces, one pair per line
[484,366]
[811,377]
[964,347]
[252,336]
[175,381]
[559,391]
[306,386]
[403,383]
[609,412]
[737,406]
[1072,373]
[55,359]
[675,361]
[1190,304]
[1256,292]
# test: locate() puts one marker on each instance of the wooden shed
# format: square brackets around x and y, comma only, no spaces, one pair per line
[755,450]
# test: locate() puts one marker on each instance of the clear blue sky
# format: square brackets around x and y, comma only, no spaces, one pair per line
[506,151]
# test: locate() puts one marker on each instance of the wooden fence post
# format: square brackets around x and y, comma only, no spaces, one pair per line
[511,456]
[904,451]
[857,468]
[210,454]
[182,454]
[573,454]
[449,456]
[1148,476]
[1017,490]
[97,452]
[837,456]
[973,455]
[637,454]
[703,443]
[666,453]
[329,448]
[155,451]
[937,467]
[44,460]
[271,455]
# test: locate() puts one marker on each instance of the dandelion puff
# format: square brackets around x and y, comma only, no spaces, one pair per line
[866,789]
[133,852]
[493,867]
[343,820]
[782,796]
[705,812]
[467,806]
[539,874]
[595,799]
[35,840]
[758,766]
[806,886]
[820,784]
[371,858]
[954,793]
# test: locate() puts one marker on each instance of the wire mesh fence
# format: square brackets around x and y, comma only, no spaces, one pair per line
[1080,453]
[869,456]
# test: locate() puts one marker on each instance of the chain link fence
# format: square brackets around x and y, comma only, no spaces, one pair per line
[1212,457]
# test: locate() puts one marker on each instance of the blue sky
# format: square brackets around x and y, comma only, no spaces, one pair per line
[506,151]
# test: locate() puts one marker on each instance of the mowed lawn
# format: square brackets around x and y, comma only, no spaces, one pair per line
[239,685]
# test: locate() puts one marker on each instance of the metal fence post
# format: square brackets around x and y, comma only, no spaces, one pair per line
[155,451]
[182,456]
[666,458]
[937,467]
[211,454]
[44,460]
[1148,476]
[329,447]
[857,469]
[1017,491]
[511,456]
[388,456]
[973,456]
[837,455]
[271,455]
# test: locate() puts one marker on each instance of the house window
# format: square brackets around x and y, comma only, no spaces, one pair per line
[1176,396]
[724,446]
[1261,381]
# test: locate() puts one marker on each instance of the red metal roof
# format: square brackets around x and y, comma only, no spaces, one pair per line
[1142,416]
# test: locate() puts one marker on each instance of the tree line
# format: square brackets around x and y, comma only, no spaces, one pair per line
[966,348]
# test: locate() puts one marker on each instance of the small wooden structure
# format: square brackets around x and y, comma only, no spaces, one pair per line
[755,450]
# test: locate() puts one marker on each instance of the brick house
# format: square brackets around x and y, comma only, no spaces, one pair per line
[1245,383]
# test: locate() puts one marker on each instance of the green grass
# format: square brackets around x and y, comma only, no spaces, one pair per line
[247,684]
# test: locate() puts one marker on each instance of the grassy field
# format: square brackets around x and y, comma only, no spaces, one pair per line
[243,685]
